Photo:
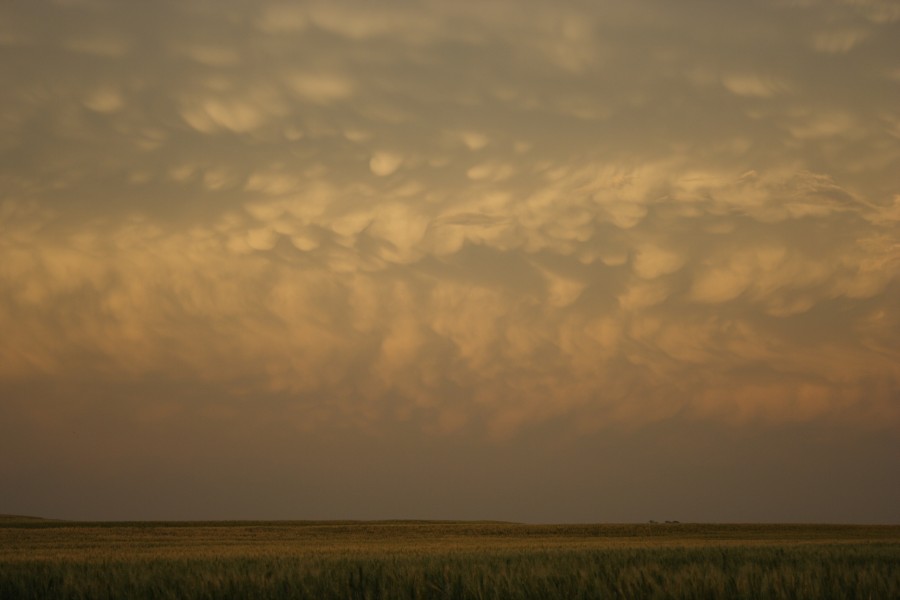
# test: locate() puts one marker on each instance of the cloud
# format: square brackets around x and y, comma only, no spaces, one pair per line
[562,291]
[240,114]
[302,325]
[211,55]
[652,261]
[104,46]
[469,220]
[641,295]
[474,140]
[753,85]
[824,125]
[104,100]
[383,163]
[321,88]
[838,42]
[360,22]
[490,171]
[283,18]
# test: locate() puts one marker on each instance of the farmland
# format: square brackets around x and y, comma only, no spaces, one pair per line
[425,559]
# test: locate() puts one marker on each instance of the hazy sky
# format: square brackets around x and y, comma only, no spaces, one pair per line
[546,261]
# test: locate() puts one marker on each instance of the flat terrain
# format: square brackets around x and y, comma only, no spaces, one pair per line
[414,559]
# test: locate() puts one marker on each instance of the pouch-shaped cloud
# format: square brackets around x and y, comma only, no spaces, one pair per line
[402,228]
[562,291]
[384,163]
[641,295]
[462,219]
[240,114]
[262,238]
[474,140]
[651,261]
[490,171]
[104,100]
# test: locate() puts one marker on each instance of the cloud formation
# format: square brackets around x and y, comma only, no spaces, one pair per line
[468,219]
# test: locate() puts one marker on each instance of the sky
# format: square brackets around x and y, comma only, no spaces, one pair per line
[569,261]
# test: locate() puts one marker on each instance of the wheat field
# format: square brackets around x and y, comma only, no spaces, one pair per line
[465,560]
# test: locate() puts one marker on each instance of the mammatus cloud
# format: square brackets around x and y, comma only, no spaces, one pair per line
[374,309]
[462,218]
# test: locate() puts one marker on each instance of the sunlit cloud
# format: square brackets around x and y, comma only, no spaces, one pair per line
[468,220]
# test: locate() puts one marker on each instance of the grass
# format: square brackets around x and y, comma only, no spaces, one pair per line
[211,560]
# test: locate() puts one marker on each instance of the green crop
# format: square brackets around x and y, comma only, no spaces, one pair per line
[418,560]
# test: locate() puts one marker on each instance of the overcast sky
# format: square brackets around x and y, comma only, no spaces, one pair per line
[543,261]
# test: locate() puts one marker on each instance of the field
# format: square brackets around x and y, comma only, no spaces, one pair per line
[410,559]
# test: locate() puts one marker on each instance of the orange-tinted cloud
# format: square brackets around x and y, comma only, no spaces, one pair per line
[469,219]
